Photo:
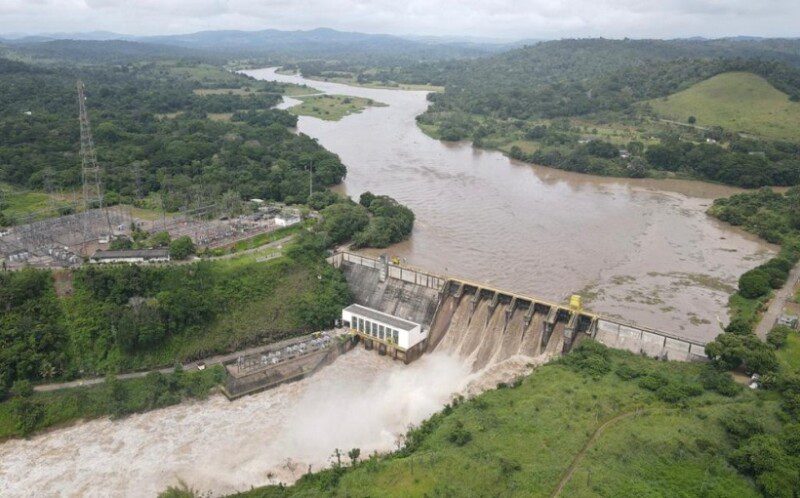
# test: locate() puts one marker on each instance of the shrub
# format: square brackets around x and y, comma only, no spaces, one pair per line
[675,391]
[121,243]
[741,425]
[719,381]
[159,239]
[781,482]
[777,276]
[591,358]
[627,372]
[459,435]
[28,414]
[778,335]
[790,439]
[22,389]
[739,326]
[754,283]
[652,381]
[758,454]
[181,248]
[508,467]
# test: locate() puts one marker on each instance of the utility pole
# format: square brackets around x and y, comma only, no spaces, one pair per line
[310,179]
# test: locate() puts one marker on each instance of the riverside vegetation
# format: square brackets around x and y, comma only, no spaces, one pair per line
[774,217]
[599,106]
[597,422]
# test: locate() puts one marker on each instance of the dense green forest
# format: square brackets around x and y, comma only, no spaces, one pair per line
[187,130]
[545,103]
[116,318]
[375,221]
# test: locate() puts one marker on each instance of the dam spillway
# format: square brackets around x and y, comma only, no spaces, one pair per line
[485,326]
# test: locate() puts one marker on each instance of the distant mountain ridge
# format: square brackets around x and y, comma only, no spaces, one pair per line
[320,42]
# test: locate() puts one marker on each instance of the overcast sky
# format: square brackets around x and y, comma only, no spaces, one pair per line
[506,19]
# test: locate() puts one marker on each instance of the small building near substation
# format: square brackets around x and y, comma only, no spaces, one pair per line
[401,339]
[131,256]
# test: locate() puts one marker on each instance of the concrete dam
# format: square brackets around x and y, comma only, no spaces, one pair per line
[484,325]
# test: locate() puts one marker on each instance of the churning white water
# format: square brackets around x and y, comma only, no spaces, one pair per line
[362,400]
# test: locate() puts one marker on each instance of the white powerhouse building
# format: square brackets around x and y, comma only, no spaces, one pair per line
[393,335]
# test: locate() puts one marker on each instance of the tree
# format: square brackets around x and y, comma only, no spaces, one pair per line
[342,220]
[159,239]
[754,283]
[181,248]
[121,243]
[366,199]
[635,147]
[118,397]
[692,120]
[778,335]
[28,414]
[354,454]
[731,351]
[637,168]
[22,389]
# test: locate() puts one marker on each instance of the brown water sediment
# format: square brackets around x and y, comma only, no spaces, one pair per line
[641,249]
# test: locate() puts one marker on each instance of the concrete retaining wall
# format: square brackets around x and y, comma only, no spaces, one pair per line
[409,275]
[647,342]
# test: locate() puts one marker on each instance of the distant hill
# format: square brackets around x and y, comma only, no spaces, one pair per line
[270,44]
[737,101]
[108,51]
[581,76]
[321,42]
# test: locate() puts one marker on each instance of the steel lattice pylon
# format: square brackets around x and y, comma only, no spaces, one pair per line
[90,171]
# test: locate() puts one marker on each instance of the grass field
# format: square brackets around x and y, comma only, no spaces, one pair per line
[790,353]
[736,101]
[261,239]
[332,107]
[561,430]
[18,203]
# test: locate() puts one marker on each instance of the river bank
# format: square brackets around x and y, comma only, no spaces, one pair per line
[642,249]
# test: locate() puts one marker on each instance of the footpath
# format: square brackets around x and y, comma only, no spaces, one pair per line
[777,304]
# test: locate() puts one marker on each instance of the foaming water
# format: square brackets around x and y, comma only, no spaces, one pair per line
[641,249]
[362,400]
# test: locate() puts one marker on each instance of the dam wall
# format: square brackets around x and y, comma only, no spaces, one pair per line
[402,292]
[486,325]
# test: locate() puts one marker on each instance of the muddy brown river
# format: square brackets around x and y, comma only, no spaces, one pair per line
[642,250]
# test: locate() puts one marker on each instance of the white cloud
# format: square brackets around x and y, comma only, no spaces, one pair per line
[495,18]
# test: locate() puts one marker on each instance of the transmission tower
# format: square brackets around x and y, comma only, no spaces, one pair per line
[90,171]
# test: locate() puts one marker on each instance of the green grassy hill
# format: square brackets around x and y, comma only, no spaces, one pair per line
[737,101]
[599,423]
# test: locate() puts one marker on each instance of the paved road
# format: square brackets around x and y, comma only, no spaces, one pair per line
[210,361]
[775,307]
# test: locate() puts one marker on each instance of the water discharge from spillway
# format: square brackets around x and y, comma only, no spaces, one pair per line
[483,335]
[362,400]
